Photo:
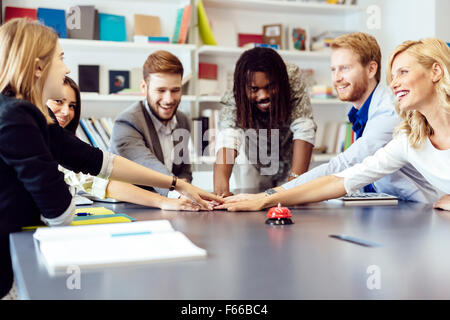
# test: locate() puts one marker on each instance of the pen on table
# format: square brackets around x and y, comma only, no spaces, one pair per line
[83,214]
[362,242]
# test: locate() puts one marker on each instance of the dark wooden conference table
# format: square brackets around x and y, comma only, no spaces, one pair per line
[248,259]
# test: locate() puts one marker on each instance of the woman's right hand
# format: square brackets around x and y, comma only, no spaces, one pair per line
[181,204]
[197,195]
[243,197]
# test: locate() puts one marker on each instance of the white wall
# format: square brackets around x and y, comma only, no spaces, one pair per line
[442,20]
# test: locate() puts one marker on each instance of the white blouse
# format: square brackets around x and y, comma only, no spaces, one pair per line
[432,163]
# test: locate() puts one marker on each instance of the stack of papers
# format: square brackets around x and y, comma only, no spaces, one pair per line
[97,246]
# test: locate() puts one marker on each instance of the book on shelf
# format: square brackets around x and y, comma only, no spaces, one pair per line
[88,78]
[337,137]
[145,25]
[147,39]
[101,134]
[176,31]
[97,131]
[112,27]
[273,34]
[55,19]
[118,80]
[88,132]
[17,12]
[88,24]
[204,28]
[117,244]
[249,38]
[185,22]
[200,136]
[207,79]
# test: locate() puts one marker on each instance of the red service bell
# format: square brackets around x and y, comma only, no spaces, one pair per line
[279,216]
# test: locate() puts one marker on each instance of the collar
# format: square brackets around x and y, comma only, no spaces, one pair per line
[159,126]
[359,117]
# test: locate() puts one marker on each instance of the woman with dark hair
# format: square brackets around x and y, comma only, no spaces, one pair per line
[67,111]
[270,106]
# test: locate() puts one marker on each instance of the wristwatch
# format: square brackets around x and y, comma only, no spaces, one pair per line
[292,174]
[270,191]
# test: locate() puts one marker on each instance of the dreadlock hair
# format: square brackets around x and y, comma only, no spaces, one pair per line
[268,61]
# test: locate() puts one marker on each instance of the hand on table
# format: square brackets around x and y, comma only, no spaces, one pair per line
[250,205]
[443,203]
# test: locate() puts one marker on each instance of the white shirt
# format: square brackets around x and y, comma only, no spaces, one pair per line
[432,163]
[165,137]
[406,183]
[165,140]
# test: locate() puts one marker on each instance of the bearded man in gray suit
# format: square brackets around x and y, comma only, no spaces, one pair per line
[152,132]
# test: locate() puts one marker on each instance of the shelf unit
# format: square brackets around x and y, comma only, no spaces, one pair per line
[283,6]
[228,17]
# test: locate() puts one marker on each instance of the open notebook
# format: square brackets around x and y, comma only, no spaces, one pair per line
[95,246]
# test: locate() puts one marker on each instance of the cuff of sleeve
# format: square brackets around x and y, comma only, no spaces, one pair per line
[304,129]
[107,165]
[173,194]
[99,187]
[64,219]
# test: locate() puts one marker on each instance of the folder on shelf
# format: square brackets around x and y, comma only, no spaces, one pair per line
[54,18]
[97,246]
[145,25]
[16,12]
[88,28]
[112,27]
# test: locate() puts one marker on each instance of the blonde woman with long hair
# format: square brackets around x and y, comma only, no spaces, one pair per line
[418,74]
[32,144]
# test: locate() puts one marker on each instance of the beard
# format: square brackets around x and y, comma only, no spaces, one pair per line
[154,107]
[357,91]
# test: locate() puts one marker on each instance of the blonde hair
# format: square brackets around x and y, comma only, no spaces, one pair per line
[22,43]
[427,52]
[364,45]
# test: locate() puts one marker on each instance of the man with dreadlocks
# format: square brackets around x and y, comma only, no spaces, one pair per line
[270,111]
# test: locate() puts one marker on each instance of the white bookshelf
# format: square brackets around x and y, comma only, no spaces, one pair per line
[123,47]
[235,52]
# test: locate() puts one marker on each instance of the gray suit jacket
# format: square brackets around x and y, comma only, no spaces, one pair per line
[134,137]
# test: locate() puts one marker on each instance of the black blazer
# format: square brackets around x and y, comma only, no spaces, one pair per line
[30,183]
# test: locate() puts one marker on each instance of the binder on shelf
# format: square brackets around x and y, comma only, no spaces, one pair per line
[145,25]
[103,245]
[88,24]
[88,78]
[101,132]
[17,12]
[185,21]
[54,18]
[112,27]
